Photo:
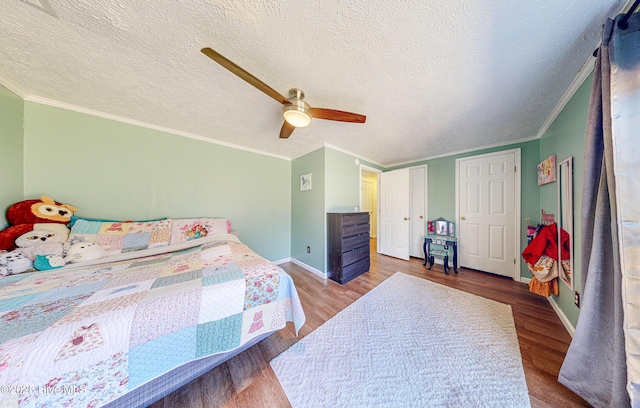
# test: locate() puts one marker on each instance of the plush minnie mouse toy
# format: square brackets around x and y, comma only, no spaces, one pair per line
[29,215]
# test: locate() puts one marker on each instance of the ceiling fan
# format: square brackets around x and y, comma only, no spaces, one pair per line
[296,112]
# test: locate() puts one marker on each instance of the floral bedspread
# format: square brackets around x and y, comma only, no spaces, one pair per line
[85,336]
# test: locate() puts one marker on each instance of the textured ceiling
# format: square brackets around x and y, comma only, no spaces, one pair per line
[432,77]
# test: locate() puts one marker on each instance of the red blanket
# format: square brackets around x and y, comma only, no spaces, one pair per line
[546,243]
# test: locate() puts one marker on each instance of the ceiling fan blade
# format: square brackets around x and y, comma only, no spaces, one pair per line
[239,71]
[286,130]
[340,116]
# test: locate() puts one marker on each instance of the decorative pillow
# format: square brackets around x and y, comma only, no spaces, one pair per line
[74,219]
[119,237]
[193,228]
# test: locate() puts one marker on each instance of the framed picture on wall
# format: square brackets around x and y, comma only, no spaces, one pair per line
[547,170]
[305,182]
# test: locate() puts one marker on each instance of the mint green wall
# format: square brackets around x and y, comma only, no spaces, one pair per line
[308,211]
[342,190]
[116,170]
[11,153]
[565,138]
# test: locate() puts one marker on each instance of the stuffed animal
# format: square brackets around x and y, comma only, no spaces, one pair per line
[84,251]
[41,243]
[14,262]
[46,262]
[29,215]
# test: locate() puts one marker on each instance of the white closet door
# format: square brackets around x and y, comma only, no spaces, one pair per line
[394,213]
[487,211]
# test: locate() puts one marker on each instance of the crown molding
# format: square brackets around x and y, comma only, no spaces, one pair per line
[10,85]
[109,116]
[573,88]
[472,149]
[341,150]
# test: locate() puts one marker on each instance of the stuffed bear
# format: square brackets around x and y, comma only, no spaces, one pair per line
[14,262]
[41,243]
[29,215]
[84,251]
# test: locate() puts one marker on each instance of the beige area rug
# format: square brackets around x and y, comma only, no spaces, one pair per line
[408,342]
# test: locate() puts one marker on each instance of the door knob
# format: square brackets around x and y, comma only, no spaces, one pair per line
[463,218]
[405,218]
[421,217]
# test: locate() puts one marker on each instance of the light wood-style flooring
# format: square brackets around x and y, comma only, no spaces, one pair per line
[248,381]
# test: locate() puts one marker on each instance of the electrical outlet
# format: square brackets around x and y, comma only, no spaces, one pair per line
[308,250]
[576,299]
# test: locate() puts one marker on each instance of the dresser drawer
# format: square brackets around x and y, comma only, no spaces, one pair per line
[356,241]
[355,255]
[355,229]
[355,218]
[354,270]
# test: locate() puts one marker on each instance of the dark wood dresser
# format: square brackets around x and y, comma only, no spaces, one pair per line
[348,245]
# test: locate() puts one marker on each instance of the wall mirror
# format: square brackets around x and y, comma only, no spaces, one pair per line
[565,221]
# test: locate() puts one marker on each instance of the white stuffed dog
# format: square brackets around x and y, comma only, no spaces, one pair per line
[14,262]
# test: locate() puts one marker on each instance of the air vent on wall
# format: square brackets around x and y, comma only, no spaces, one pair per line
[42,5]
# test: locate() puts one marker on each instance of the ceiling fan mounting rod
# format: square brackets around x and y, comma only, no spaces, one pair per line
[296,93]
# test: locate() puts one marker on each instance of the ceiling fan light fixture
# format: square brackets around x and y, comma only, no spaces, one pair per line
[297,116]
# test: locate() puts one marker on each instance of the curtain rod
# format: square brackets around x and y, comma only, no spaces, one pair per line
[623,23]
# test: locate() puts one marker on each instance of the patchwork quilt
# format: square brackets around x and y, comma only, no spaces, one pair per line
[82,337]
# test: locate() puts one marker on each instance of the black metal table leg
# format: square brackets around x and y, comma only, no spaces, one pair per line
[424,249]
[455,257]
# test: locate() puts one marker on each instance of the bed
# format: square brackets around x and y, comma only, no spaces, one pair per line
[130,328]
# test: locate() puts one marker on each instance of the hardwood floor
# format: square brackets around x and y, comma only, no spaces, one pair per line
[248,381]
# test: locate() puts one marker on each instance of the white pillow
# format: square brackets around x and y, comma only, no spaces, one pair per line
[188,229]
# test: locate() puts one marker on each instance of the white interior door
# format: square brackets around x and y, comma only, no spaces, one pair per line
[417,178]
[367,203]
[487,213]
[394,213]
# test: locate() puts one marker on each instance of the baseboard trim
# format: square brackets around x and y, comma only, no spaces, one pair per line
[563,318]
[302,265]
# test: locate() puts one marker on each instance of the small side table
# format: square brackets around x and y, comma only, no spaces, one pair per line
[445,241]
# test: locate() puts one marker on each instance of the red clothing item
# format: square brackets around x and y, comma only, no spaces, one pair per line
[546,243]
